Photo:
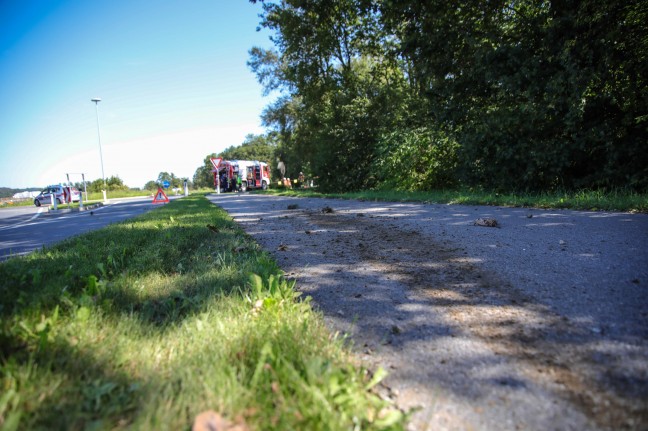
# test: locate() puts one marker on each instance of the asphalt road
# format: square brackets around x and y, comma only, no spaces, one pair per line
[25,229]
[541,324]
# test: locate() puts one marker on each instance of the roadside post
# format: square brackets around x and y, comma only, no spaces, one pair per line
[216,162]
[54,202]
[85,186]
[66,196]
[67,191]
[186,189]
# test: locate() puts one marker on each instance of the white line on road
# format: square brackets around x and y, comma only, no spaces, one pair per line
[40,210]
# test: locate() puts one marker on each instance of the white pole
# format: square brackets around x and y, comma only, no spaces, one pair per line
[85,186]
[96,100]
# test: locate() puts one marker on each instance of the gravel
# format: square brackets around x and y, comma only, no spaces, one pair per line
[538,323]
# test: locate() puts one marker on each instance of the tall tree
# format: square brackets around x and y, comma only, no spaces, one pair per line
[331,114]
[520,94]
[539,94]
[254,147]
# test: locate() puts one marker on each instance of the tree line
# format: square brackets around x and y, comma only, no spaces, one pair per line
[513,95]
[114,183]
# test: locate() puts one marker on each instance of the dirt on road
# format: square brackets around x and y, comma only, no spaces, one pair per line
[539,323]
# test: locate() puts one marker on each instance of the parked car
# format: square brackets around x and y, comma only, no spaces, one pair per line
[59,194]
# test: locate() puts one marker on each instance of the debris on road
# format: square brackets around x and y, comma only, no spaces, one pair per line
[486,222]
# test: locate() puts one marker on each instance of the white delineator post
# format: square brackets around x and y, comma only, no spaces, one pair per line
[96,101]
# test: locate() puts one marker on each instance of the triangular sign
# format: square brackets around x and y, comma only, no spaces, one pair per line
[160,197]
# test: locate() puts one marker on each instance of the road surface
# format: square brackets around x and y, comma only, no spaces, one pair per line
[25,229]
[540,324]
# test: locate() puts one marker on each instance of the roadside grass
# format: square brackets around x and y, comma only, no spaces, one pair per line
[146,323]
[16,203]
[98,196]
[591,200]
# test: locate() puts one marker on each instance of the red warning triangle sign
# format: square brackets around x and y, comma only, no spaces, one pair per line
[160,197]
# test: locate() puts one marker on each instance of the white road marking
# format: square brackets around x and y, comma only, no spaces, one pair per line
[40,210]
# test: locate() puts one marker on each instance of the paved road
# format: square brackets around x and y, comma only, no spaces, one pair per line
[539,325]
[25,229]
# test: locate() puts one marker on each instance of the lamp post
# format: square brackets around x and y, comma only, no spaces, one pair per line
[96,100]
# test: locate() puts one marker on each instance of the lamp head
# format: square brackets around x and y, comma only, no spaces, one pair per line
[96,99]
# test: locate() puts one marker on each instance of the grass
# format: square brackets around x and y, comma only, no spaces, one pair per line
[98,196]
[580,200]
[146,323]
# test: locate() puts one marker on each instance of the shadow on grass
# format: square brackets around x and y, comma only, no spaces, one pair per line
[107,396]
[159,269]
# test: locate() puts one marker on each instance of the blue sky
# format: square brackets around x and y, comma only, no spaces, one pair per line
[171,74]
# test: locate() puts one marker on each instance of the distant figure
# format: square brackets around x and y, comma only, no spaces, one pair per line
[282,168]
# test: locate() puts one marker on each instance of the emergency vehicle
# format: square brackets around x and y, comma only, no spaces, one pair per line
[61,194]
[253,174]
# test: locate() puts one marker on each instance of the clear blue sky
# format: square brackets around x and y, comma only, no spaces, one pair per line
[172,76]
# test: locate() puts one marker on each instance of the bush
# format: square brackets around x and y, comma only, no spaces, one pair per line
[417,159]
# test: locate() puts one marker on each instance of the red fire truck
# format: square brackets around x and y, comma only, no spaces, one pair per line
[252,173]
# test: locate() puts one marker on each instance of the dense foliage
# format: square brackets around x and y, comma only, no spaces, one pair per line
[513,95]
[113,183]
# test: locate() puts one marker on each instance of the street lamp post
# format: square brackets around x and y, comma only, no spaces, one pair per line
[96,100]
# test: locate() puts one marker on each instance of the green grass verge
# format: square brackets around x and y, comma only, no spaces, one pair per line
[98,196]
[146,323]
[581,200]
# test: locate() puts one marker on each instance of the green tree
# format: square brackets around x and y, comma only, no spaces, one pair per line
[203,177]
[151,185]
[254,147]
[504,94]
[171,178]
[113,183]
[338,98]
[538,94]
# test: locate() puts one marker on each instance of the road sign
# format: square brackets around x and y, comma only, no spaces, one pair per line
[160,197]
[166,184]
[216,161]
